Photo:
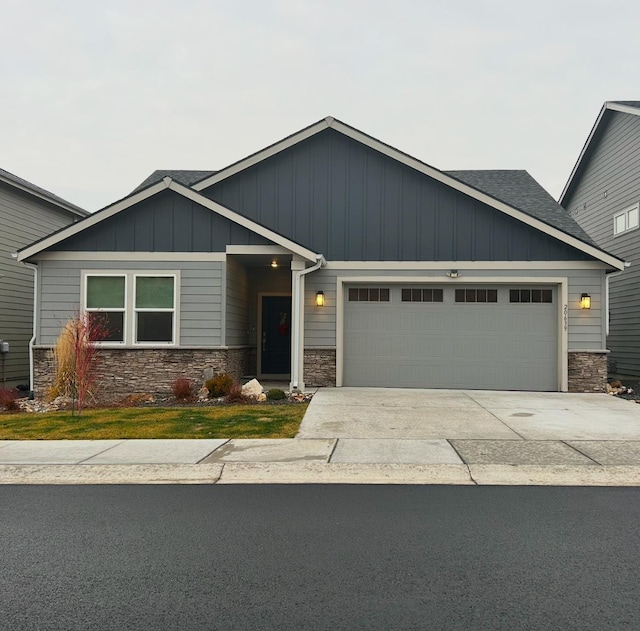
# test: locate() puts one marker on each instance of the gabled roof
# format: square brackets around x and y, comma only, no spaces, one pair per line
[626,107]
[187,178]
[36,191]
[167,183]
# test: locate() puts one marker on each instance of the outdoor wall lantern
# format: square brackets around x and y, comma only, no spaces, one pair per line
[585,301]
[320,298]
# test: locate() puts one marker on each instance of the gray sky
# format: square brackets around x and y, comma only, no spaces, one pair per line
[95,96]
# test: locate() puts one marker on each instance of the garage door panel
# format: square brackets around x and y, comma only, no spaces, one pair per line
[451,345]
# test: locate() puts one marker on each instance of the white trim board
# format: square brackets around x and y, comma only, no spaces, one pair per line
[464,265]
[167,183]
[563,308]
[132,256]
[419,166]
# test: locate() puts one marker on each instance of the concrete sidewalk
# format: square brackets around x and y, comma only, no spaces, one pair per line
[350,461]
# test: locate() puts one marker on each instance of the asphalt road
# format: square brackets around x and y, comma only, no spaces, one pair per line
[318,557]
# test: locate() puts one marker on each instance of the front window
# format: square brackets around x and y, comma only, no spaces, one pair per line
[105,302]
[133,308]
[154,309]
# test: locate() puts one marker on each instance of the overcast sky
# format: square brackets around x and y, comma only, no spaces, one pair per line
[95,96]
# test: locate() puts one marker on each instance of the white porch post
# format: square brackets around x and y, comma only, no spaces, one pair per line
[297,323]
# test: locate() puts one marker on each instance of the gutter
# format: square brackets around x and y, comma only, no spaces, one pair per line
[606,293]
[32,341]
[295,367]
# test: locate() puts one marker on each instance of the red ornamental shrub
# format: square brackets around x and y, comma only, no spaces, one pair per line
[8,399]
[182,389]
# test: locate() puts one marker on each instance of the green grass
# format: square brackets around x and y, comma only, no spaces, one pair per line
[241,421]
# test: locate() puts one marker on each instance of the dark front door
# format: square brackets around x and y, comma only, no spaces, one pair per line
[276,335]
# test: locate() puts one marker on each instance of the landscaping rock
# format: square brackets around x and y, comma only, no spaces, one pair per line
[203,394]
[252,389]
[262,397]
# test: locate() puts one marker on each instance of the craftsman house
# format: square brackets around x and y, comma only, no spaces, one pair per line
[603,196]
[27,212]
[333,259]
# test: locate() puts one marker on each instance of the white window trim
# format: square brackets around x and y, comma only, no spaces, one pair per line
[135,310]
[625,213]
[129,324]
[123,310]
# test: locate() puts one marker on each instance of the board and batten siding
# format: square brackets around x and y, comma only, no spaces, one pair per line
[608,183]
[200,306]
[586,327]
[23,219]
[166,222]
[337,196]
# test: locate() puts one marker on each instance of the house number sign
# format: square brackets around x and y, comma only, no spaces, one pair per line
[565,315]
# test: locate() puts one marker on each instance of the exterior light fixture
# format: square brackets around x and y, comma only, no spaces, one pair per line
[320,298]
[585,301]
[274,263]
[453,274]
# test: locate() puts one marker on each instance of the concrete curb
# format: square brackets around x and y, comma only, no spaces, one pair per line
[323,473]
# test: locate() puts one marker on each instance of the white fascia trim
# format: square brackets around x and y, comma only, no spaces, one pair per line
[563,311]
[68,206]
[626,109]
[257,249]
[241,220]
[131,256]
[464,265]
[264,154]
[92,220]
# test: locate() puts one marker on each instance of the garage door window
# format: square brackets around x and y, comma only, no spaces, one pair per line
[421,295]
[476,295]
[530,295]
[368,294]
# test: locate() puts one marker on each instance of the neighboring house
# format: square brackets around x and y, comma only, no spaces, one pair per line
[333,259]
[603,196]
[27,212]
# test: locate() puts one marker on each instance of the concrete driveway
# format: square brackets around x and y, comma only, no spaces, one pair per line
[391,413]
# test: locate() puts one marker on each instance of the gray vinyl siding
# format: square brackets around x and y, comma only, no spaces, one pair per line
[586,327]
[200,296]
[339,197]
[237,310]
[23,219]
[166,222]
[613,167]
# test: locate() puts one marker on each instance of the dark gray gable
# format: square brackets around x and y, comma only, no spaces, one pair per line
[166,222]
[337,196]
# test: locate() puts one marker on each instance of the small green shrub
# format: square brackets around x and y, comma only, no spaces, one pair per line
[235,394]
[219,385]
[182,389]
[275,394]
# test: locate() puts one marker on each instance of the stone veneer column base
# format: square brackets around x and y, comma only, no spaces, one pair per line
[320,367]
[587,371]
[147,369]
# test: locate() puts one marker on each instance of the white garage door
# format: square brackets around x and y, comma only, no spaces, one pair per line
[467,336]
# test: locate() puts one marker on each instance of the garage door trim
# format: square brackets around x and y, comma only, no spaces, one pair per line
[563,308]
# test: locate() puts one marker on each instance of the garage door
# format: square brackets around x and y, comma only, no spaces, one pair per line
[471,336]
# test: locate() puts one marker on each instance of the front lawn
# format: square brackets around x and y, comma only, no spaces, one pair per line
[233,421]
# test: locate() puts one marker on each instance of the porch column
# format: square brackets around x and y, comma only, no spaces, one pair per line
[297,324]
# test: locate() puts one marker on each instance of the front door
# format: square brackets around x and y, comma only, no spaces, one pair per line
[275,358]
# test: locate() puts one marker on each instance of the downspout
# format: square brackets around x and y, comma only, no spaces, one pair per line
[606,293]
[295,364]
[32,341]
